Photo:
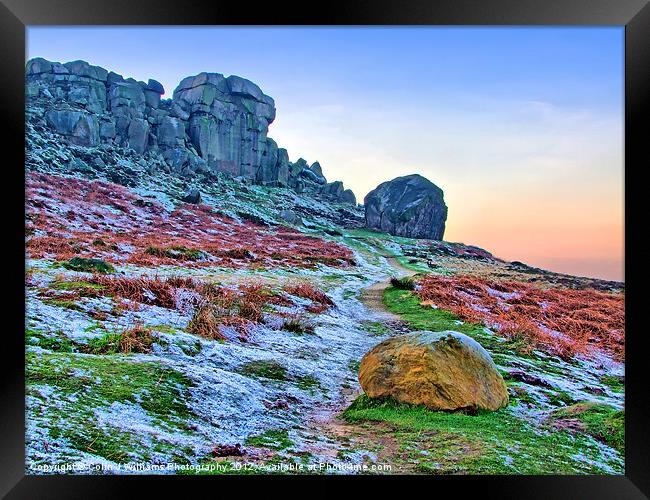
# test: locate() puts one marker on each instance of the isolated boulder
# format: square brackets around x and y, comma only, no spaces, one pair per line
[409,206]
[441,370]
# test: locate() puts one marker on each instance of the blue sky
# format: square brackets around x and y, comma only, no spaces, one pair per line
[521,127]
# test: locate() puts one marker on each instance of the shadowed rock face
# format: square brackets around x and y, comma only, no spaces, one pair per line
[409,206]
[441,370]
[212,123]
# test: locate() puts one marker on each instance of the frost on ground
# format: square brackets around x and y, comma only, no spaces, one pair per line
[269,387]
[225,404]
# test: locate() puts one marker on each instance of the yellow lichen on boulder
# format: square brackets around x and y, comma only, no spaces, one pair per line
[441,370]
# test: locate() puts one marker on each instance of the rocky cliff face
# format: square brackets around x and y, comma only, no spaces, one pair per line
[212,124]
[409,206]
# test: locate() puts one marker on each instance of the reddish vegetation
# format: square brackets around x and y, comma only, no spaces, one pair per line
[564,322]
[70,216]
[205,323]
[135,339]
[320,301]
[153,291]
[306,290]
[212,306]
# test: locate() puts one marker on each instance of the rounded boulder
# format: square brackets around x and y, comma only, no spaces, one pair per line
[440,370]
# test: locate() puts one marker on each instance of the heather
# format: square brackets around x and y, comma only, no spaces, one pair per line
[560,321]
[69,218]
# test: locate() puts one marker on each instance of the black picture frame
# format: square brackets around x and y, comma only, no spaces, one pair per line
[15,15]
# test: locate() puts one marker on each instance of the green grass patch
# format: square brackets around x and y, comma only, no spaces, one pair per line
[176,252]
[488,442]
[137,339]
[93,327]
[83,383]
[297,325]
[559,398]
[191,348]
[406,304]
[616,383]
[601,421]
[56,341]
[106,344]
[308,383]
[263,369]
[88,265]
[365,233]
[412,264]
[63,303]
[375,327]
[77,286]
[272,439]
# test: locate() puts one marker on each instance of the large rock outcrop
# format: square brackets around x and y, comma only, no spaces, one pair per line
[441,370]
[211,124]
[409,206]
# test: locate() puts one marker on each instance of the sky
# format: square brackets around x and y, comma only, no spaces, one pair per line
[521,127]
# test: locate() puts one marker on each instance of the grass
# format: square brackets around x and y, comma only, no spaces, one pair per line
[88,265]
[177,252]
[601,421]
[271,439]
[169,329]
[56,341]
[308,383]
[419,317]
[272,370]
[190,226]
[191,348]
[370,233]
[298,325]
[375,327]
[83,288]
[412,264]
[264,369]
[83,383]
[422,317]
[405,283]
[63,303]
[614,382]
[479,444]
[137,339]
[559,398]
[489,437]
[205,323]
[520,394]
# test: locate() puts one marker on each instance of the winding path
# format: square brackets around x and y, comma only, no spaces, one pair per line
[343,438]
[373,296]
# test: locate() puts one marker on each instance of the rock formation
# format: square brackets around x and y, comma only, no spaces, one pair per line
[409,206]
[441,370]
[211,124]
